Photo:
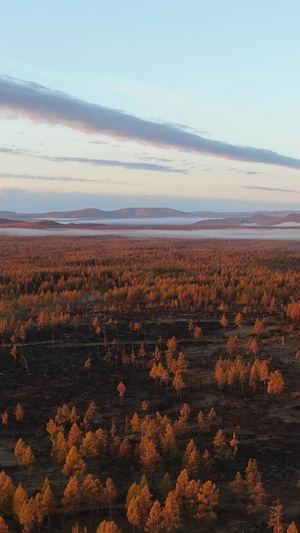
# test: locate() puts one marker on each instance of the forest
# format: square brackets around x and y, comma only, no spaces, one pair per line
[149,385]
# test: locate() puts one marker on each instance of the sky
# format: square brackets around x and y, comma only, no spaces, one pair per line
[190,105]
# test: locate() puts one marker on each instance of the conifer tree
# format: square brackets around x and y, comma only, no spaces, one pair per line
[133,491]
[110,493]
[74,463]
[19,451]
[275,518]
[91,491]
[121,390]
[148,455]
[165,486]
[238,484]
[28,460]
[48,502]
[154,522]
[72,496]
[19,412]
[3,526]
[220,443]
[27,515]
[276,383]
[172,518]
[168,442]
[133,512]
[74,438]
[59,448]
[208,498]
[291,529]
[6,493]
[108,527]
[20,496]
[125,449]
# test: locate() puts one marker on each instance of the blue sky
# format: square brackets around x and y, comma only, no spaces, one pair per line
[192,105]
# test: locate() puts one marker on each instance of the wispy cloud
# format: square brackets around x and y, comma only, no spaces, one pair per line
[268,189]
[252,173]
[45,105]
[95,162]
[9,176]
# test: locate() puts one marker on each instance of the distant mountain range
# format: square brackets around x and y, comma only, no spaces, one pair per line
[257,219]
[152,212]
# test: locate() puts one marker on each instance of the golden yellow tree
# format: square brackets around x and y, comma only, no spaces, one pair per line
[121,390]
[19,412]
[48,502]
[74,463]
[72,496]
[3,526]
[6,493]
[276,383]
[108,527]
[171,516]
[110,494]
[20,496]
[154,522]
[28,460]
[208,499]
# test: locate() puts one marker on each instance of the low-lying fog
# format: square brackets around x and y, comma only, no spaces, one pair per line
[232,233]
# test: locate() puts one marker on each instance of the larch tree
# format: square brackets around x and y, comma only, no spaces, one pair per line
[121,390]
[165,485]
[178,384]
[171,516]
[28,460]
[125,449]
[208,499]
[89,446]
[145,502]
[168,442]
[74,464]
[133,512]
[6,493]
[148,455]
[74,437]
[91,491]
[224,322]
[88,366]
[59,448]
[108,527]
[73,415]
[180,489]
[232,345]
[259,498]
[39,511]
[276,383]
[48,502]
[252,475]
[110,494]
[27,515]
[72,496]
[133,491]
[238,320]
[198,333]
[19,412]
[291,529]
[220,443]
[3,526]
[275,518]
[154,521]
[238,484]
[20,496]
[5,418]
